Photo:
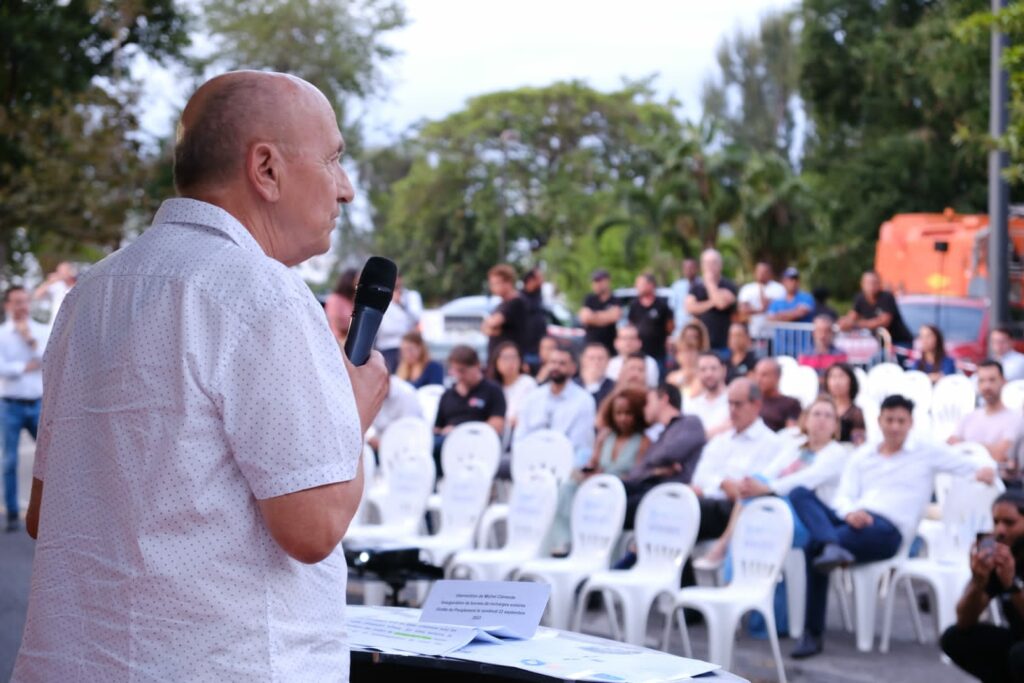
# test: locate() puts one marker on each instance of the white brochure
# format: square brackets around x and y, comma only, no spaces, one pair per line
[397,634]
[508,609]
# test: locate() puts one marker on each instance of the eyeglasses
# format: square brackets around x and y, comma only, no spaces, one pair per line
[737,404]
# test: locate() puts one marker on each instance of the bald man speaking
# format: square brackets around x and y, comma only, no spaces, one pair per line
[199,446]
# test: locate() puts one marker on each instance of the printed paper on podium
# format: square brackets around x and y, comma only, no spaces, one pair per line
[508,609]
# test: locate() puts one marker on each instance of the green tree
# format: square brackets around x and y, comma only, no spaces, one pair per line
[542,166]
[886,85]
[69,165]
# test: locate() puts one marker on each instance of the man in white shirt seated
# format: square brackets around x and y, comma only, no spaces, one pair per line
[741,451]
[562,405]
[993,425]
[882,493]
[712,404]
[401,402]
[627,343]
[1000,345]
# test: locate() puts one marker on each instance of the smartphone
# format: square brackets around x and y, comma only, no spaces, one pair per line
[588,470]
[986,543]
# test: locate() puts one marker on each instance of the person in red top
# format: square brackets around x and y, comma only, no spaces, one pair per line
[824,353]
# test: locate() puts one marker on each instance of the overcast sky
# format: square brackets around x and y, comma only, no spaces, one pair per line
[455,49]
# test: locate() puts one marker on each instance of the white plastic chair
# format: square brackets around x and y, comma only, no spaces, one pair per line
[917,386]
[786,363]
[464,493]
[883,380]
[403,499]
[471,444]
[666,527]
[531,509]
[598,511]
[953,397]
[403,435]
[429,396]
[1013,394]
[867,581]
[763,537]
[367,508]
[544,449]
[946,570]
[800,382]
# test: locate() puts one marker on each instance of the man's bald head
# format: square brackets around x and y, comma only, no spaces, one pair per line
[229,112]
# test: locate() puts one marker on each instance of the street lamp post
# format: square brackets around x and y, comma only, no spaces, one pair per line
[998,192]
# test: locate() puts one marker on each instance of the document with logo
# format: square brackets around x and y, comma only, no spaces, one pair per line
[507,609]
[395,632]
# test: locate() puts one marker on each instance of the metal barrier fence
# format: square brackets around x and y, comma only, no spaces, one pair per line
[861,347]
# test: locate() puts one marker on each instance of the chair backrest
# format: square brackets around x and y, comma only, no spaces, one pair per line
[429,396]
[966,511]
[465,492]
[598,511]
[763,536]
[917,386]
[369,480]
[800,382]
[531,510]
[786,363]
[883,380]
[404,434]
[409,485]
[1013,394]
[543,449]
[471,444]
[952,398]
[666,526]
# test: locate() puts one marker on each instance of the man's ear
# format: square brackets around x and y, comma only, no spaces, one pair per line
[263,167]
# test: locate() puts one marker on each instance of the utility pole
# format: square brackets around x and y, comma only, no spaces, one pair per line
[998,192]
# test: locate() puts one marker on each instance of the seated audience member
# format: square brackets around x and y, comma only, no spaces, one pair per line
[562,405]
[711,405]
[1000,344]
[601,311]
[627,343]
[339,304]
[990,653]
[685,375]
[933,360]
[673,457]
[815,464]
[472,398]
[742,451]
[741,359]
[400,318]
[823,353]
[401,402]
[619,449]
[593,371]
[544,349]
[882,493]
[755,297]
[777,410]
[841,384]
[414,364]
[695,335]
[506,370]
[993,425]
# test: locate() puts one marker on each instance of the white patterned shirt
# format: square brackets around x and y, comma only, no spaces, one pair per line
[188,376]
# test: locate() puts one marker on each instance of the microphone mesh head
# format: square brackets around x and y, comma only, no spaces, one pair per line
[376,283]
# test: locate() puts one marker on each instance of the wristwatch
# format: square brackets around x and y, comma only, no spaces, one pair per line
[1016,586]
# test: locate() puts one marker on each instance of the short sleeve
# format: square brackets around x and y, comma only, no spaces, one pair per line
[286,401]
[496,404]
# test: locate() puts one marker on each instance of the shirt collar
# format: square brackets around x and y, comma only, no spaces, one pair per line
[752,432]
[194,212]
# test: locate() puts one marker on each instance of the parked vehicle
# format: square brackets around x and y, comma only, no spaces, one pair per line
[964,322]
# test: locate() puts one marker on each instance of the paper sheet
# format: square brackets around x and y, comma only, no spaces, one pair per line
[508,609]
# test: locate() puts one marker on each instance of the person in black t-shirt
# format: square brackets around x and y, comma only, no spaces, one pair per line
[652,317]
[535,326]
[601,311]
[986,651]
[472,398]
[873,308]
[509,319]
[713,300]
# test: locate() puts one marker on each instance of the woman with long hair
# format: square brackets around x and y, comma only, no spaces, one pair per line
[506,370]
[340,302]
[685,375]
[933,360]
[414,364]
[620,447]
[742,358]
[842,386]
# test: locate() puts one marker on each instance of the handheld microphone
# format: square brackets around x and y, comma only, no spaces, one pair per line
[373,294]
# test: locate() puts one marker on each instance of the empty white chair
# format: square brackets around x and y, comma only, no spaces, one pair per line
[403,500]
[531,509]
[952,398]
[763,537]
[917,386]
[367,509]
[786,363]
[429,397]
[544,449]
[885,379]
[598,511]
[403,435]
[464,493]
[967,510]
[471,444]
[800,382]
[666,529]
[1013,394]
